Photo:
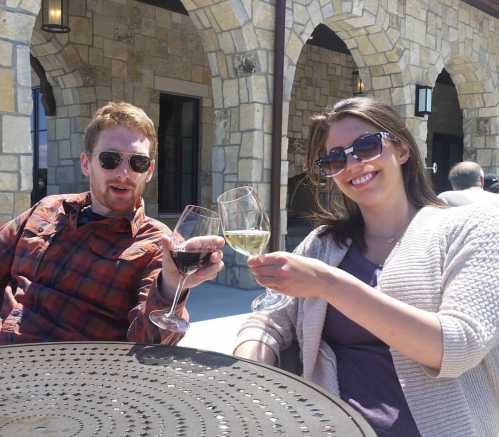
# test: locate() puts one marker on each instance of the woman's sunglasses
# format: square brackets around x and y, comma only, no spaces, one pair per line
[365,148]
[111,159]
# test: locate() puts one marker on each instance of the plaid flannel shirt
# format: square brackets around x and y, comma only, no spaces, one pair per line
[64,282]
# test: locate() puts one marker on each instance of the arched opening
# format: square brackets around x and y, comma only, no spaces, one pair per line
[43,106]
[325,74]
[445,131]
[147,51]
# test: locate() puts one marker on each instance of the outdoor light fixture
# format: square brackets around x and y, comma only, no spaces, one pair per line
[358,84]
[423,100]
[55,16]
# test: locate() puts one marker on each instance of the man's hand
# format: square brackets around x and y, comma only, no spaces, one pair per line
[208,271]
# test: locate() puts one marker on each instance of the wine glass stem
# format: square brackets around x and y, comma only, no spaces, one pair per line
[178,291]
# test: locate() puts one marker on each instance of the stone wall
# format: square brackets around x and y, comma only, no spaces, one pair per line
[120,50]
[322,78]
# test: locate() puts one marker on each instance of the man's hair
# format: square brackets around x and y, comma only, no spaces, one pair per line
[120,114]
[465,175]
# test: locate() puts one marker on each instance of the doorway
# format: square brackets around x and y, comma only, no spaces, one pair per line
[178,152]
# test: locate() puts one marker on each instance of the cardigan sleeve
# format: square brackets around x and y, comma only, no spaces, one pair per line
[469,311]
[277,329]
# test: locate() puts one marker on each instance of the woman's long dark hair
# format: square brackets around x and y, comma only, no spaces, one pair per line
[344,219]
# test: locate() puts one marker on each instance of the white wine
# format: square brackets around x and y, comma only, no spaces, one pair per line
[247,241]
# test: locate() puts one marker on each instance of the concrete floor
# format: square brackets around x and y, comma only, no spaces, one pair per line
[216,313]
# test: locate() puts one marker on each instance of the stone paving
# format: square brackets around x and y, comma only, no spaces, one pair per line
[216,313]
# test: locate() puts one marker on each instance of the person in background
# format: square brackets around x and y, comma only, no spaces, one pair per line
[491,184]
[467,181]
[395,297]
[92,266]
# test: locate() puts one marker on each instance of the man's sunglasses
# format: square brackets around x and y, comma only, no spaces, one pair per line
[111,159]
[365,148]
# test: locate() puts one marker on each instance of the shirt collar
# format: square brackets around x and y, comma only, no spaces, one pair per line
[127,223]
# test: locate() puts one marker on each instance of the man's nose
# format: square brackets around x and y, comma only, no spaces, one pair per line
[124,167]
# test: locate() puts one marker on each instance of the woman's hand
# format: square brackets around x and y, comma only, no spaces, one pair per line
[291,274]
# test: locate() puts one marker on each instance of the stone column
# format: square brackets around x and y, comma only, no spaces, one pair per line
[16,160]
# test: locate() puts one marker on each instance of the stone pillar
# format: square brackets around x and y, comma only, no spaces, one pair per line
[16,160]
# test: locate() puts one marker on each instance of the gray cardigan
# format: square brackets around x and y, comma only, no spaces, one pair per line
[447,262]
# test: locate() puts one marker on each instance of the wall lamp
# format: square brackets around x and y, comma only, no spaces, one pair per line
[358,83]
[55,16]
[423,100]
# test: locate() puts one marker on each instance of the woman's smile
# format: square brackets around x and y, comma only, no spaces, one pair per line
[364,179]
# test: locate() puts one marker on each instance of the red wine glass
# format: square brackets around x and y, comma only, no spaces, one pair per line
[192,246]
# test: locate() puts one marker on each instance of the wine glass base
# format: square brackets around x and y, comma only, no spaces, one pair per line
[269,302]
[172,323]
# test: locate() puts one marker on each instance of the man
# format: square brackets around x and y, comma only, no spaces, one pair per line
[467,180]
[491,184]
[92,266]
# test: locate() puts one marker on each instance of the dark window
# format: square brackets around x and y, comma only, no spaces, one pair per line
[177,152]
[39,140]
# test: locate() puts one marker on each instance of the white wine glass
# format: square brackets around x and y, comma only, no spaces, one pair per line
[192,246]
[246,229]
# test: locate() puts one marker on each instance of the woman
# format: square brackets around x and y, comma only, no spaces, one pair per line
[406,329]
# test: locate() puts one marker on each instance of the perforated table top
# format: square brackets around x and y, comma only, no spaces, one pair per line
[124,389]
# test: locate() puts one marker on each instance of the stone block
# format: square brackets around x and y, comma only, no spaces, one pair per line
[231,159]
[415,30]
[22,202]
[294,47]
[381,82]
[252,145]
[26,182]
[263,15]
[16,134]
[62,128]
[401,95]
[251,116]
[230,92]
[380,41]
[218,159]
[65,175]
[17,27]
[9,181]
[7,102]
[6,53]
[81,30]
[250,170]
[257,85]
[224,16]
[9,163]
[115,50]
[365,46]
[24,100]
[6,203]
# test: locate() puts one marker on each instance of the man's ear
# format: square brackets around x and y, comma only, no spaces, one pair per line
[150,172]
[84,164]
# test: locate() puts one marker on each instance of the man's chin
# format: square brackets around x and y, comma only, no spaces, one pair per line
[121,208]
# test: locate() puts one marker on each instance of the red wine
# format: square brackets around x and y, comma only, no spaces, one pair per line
[188,262]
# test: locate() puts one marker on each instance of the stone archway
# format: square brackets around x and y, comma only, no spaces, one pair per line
[65,71]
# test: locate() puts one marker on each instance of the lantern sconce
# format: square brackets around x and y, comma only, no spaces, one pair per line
[358,83]
[55,16]
[423,100]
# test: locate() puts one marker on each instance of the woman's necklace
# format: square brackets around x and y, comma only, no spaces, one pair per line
[390,239]
[387,240]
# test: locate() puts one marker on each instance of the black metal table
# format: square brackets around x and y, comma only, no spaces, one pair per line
[123,389]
